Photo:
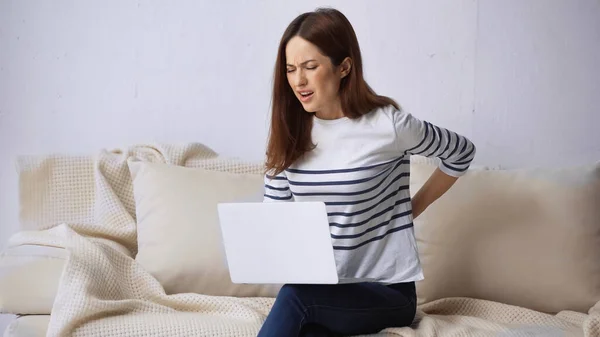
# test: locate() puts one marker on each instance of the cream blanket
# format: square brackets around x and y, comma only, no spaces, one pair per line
[86,205]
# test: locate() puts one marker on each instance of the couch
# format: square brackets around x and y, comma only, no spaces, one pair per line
[125,242]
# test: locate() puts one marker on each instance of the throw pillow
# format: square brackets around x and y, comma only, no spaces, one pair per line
[528,237]
[179,239]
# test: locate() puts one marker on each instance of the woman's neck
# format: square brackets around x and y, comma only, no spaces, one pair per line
[332,112]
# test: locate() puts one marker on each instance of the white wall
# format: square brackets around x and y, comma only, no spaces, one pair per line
[537,82]
[521,79]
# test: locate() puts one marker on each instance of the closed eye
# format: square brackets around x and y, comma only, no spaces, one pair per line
[291,70]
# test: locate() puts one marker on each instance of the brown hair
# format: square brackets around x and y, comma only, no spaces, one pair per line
[290,130]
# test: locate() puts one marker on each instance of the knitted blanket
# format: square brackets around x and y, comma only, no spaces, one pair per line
[87,207]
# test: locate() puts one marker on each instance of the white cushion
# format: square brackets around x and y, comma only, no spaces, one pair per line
[28,326]
[29,277]
[528,237]
[179,239]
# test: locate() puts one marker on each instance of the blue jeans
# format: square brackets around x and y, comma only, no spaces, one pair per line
[340,310]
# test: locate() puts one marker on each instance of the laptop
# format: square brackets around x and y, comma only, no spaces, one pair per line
[277,243]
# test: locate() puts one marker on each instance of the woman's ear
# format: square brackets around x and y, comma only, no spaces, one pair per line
[345,67]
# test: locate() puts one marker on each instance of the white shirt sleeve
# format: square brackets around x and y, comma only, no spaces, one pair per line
[277,188]
[417,137]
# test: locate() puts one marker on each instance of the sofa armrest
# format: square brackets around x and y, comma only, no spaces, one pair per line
[29,278]
[28,326]
[6,320]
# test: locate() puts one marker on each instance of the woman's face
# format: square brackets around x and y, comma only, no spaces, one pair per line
[313,77]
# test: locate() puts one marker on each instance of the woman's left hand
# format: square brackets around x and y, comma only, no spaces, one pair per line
[437,184]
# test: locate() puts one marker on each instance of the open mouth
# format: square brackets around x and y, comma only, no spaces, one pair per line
[306,95]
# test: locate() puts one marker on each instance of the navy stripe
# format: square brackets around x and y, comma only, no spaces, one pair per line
[430,143]
[356,169]
[356,202]
[405,187]
[455,147]
[464,147]
[315,194]
[465,156]
[448,143]
[276,177]
[454,168]
[463,162]
[277,188]
[387,210]
[377,238]
[344,182]
[422,141]
[370,229]
[438,134]
[278,198]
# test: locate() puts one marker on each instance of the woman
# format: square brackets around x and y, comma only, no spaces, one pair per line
[334,140]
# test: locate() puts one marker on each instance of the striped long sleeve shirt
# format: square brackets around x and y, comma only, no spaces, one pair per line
[360,169]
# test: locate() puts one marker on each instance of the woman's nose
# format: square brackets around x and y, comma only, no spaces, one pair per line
[300,79]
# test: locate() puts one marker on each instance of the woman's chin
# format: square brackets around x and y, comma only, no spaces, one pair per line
[309,108]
